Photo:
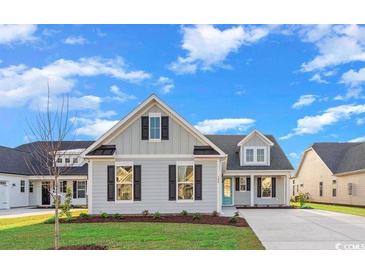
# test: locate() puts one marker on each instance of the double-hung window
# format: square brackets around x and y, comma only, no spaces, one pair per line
[30,187]
[63,186]
[81,189]
[124,182]
[266,187]
[243,184]
[334,188]
[155,126]
[185,182]
[320,189]
[22,186]
[254,155]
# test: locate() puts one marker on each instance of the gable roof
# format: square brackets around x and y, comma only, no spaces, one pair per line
[150,100]
[14,160]
[341,157]
[258,133]
[229,144]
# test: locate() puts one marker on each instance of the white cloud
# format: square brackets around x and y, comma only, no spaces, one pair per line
[208,46]
[20,84]
[225,124]
[17,33]
[336,44]
[75,40]
[358,139]
[166,84]
[314,124]
[360,121]
[121,96]
[294,155]
[92,127]
[240,92]
[353,78]
[318,78]
[304,100]
[351,93]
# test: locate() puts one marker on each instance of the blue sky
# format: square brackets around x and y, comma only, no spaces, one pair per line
[303,84]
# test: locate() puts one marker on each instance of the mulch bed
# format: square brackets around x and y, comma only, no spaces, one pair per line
[205,219]
[83,247]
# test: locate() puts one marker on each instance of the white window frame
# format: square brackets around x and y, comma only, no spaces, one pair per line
[184,163]
[243,181]
[262,189]
[255,162]
[59,160]
[153,115]
[77,189]
[22,186]
[118,164]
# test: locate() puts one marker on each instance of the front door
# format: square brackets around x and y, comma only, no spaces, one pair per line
[46,199]
[4,195]
[227,192]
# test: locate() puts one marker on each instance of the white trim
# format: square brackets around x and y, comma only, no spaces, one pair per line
[119,164]
[98,157]
[62,177]
[254,162]
[350,172]
[252,191]
[219,185]
[184,163]
[262,136]
[256,172]
[150,99]
[153,115]
[153,156]
[89,187]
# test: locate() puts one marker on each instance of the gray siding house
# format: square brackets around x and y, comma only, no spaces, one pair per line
[155,160]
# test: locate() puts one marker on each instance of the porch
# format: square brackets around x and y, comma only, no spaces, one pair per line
[255,190]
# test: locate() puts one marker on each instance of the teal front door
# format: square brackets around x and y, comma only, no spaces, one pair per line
[227,192]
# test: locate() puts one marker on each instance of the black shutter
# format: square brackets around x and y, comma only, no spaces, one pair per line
[198,182]
[259,187]
[248,183]
[172,182]
[165,127]
[64,186]
[237,184]
[273,186]
[74,189]
[144,127]
[111,183]
[137,182]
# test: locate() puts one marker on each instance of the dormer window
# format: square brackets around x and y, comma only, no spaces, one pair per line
[155,126]
[255,155]
[59,160]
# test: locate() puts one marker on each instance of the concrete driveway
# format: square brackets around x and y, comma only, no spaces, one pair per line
[306,229]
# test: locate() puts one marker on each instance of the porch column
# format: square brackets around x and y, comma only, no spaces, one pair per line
[252,191]
[287,188]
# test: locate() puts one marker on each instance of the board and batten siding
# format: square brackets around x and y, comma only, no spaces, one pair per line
[154,189]
[256,141]
[180,140]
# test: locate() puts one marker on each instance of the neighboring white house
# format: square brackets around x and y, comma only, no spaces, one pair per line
[154,160]
[20,187]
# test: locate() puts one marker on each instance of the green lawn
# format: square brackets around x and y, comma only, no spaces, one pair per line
[360,211]
[30,233]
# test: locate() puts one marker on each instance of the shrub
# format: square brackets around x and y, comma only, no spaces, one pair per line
[145,212]
[196,217]
[303,198]
[236,214]
[156,215]
[104,215]
[306,207]
[215,213]
[66,207]
[68,219]
[184,213]
[117,216]
[233,220]
[50,220]
[84,215]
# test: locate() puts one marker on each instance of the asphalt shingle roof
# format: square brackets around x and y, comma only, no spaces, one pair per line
[14,160]
[341,157]
[228,143]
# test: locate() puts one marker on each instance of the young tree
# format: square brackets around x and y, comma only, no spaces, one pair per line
[48,131]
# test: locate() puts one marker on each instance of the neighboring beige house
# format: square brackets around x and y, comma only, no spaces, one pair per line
[332,173]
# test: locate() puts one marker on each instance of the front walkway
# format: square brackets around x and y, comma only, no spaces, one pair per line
[25,211]
[306,229]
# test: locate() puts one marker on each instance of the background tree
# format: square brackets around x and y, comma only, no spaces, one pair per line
[48,131]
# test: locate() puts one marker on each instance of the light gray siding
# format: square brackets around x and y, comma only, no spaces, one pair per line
[154,189]
[242,197]
[180,140]
[280,197]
